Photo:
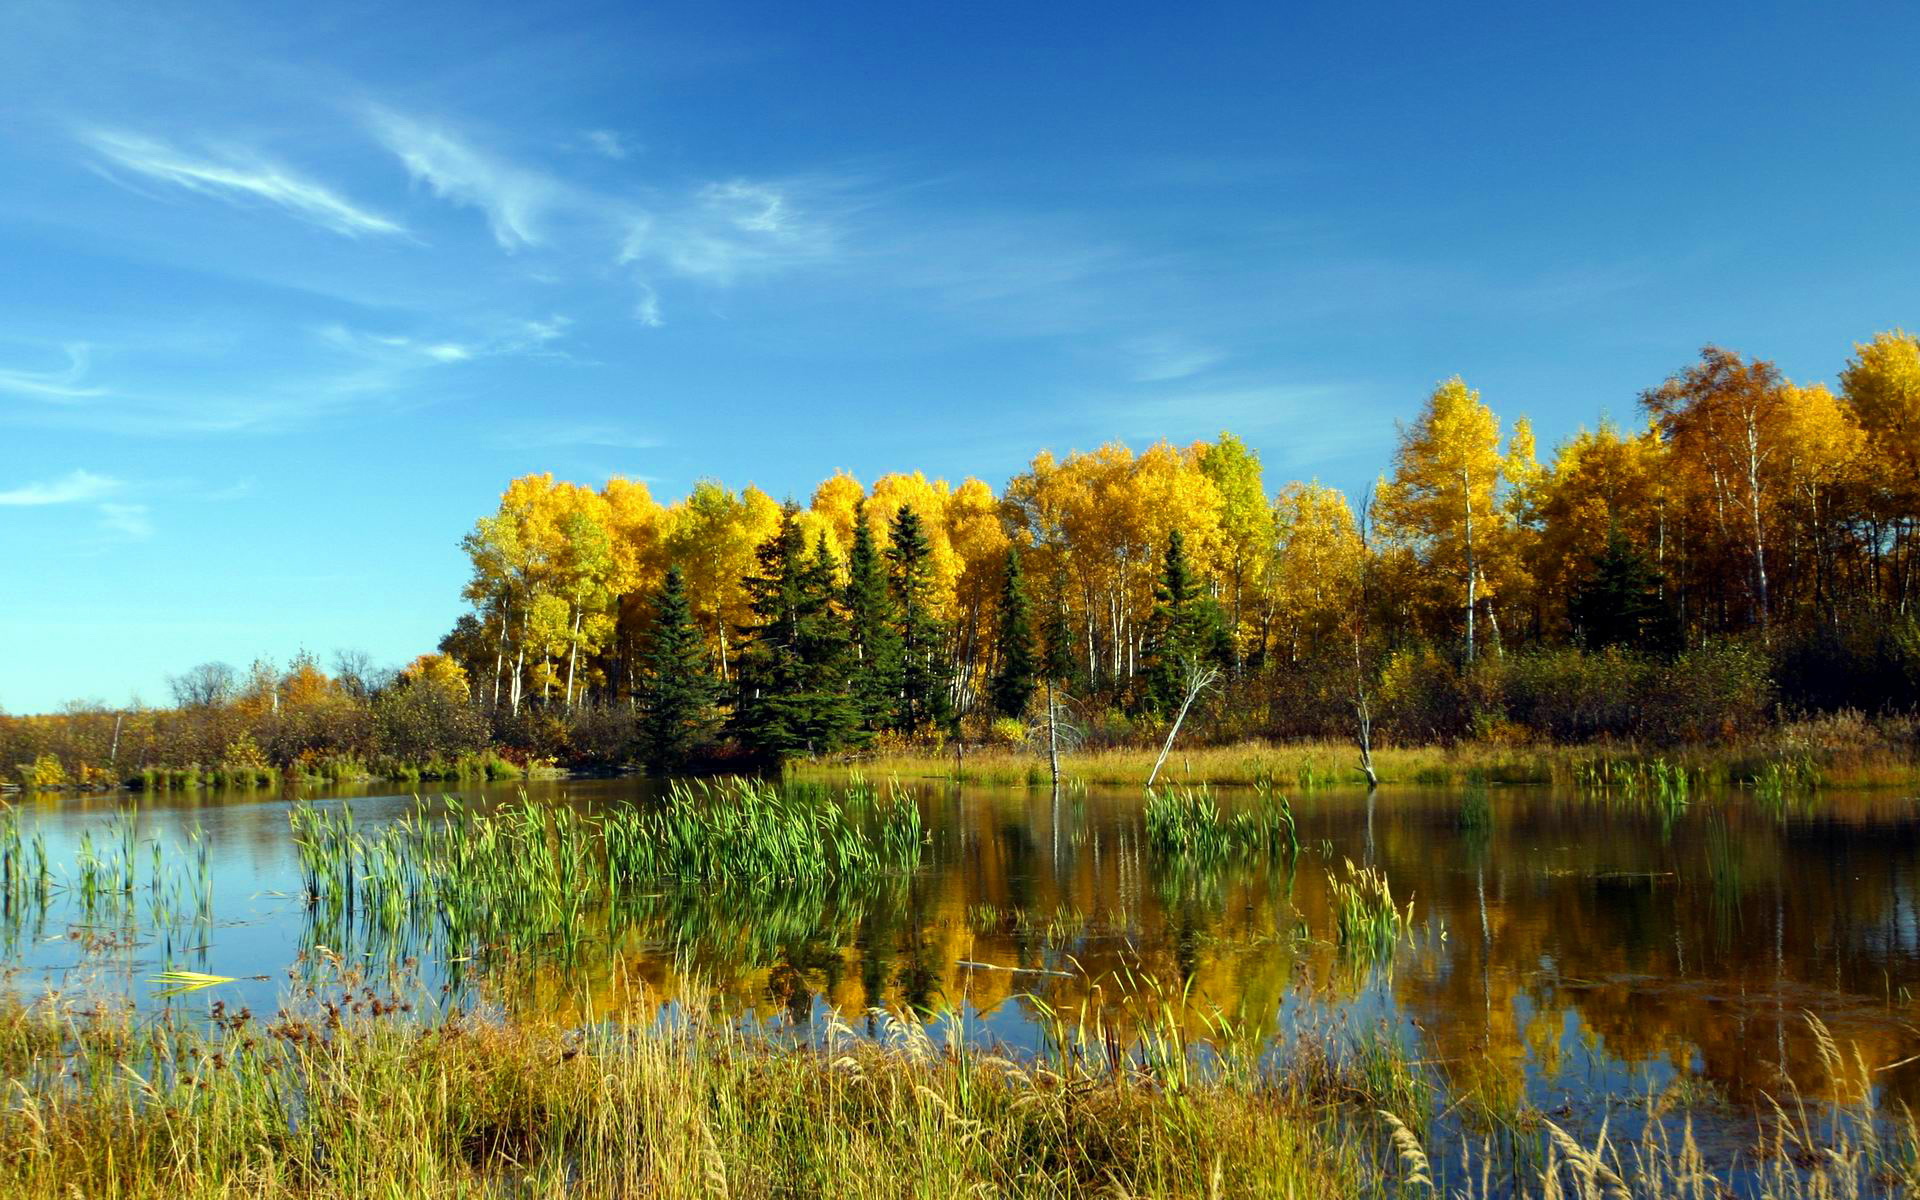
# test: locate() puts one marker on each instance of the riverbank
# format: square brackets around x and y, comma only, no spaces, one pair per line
[49,775]
[344,1098]
[353,1090]
[1800,756]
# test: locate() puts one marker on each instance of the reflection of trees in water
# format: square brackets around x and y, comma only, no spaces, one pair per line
[1706,942]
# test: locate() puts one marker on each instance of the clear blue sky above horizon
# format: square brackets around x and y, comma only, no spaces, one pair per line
[289,292]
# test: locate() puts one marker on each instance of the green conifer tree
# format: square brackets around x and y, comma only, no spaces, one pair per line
[1057,663]
[677,689]
[1185,629]
[924,671]
[1011,688]
[874,677]
[832,714]
[1620,603]
[793,667]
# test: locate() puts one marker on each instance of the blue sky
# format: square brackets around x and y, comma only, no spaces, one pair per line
[287,293]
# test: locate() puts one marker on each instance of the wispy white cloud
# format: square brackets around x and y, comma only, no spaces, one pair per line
[238,176]
[58,386]
[515,199]
[392,347]
[75,487]
[1163,357]
[578,435]
[726,230]
[401,350]
[607,143]
[128,520]
[646,309]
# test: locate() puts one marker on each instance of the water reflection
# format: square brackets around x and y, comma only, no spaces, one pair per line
[1562,944]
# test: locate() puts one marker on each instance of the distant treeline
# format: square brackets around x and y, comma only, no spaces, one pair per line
[1749,550]
[1746,553]
[266,725]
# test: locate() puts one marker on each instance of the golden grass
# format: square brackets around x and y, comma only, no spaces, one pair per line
[344,1103]
[352,1094]
[1304,766]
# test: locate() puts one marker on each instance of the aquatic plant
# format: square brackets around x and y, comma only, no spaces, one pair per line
[1663,784]
[1186,823]
[1367,922]
[531,874]
[1476,810]
[1779,779]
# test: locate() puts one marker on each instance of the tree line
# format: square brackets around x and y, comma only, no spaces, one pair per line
[1744,515]
[1746,549]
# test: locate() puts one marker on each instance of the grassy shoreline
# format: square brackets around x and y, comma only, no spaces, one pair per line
[340,1102]
[351,1090]
[1305,766]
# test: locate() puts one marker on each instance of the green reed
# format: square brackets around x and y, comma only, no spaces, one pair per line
[1667,786]
[539,876]
[112,877]
[1368,924]
[1780,779]
[1186,823]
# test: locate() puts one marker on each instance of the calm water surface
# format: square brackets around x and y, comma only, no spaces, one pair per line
[1565,948]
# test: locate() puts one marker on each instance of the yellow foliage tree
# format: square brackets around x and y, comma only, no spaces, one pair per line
[1446,499]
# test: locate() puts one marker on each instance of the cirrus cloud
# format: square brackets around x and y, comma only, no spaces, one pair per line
[238,176]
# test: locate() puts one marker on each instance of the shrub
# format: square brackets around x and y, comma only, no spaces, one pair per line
[1424,696]
[1007,731]
[1869,662]
[1572,695]
[1719,692]
[43,772]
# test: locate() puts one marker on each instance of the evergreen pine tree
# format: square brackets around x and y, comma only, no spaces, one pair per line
[874,675]
[832,715]
[1185,629]
[677,689]
[793,667]
[1057,654]
[924,672]
[1012,686]
[1620,604]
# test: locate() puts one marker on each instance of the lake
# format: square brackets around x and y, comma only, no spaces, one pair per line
[1567,949]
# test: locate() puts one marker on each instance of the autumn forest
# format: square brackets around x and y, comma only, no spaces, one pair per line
[1741,554]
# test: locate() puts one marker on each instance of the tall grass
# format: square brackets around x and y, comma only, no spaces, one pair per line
[1185,823]
[537,876]
[1311,765]
[327,1100]
[354,1090]
[1368,924]
[113,878]
[750,831]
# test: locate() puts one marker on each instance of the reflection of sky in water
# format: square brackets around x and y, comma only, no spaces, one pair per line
[1575,949]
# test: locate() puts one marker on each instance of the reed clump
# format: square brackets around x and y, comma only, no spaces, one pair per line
[1368,923]
[752,831]
[1186,823]
[534,875]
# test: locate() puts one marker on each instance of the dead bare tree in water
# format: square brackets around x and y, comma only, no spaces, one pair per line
[1362,706]
[1199,677]
[1363,716]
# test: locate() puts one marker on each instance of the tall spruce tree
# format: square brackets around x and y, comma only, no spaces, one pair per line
[924,671]
[874,678]
[793,668]
[677,689]
[1620,603]
[833,718]
[1184,630]
[1011,689]
[1057,659]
